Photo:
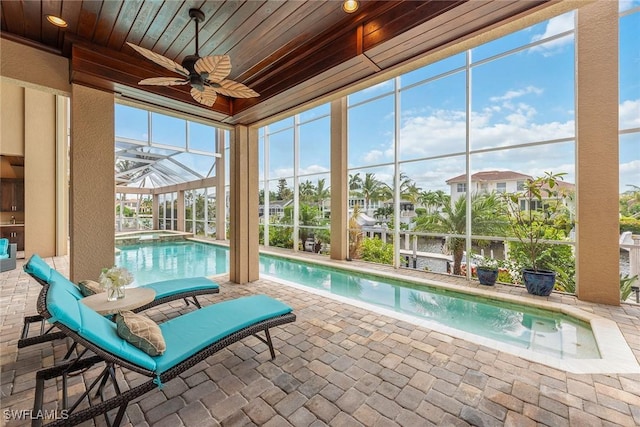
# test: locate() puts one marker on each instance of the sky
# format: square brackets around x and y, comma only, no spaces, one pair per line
[525,97]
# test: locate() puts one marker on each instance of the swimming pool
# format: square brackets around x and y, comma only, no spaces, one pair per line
[544,332]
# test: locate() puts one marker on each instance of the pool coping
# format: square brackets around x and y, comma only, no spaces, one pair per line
[617,356]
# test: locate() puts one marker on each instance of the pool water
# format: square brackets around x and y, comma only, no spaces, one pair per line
[524,327]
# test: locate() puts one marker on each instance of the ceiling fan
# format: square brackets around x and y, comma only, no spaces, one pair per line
[207,75]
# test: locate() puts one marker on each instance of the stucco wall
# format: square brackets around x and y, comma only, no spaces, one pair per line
[11,119]
[597,174]
[34,68]
[92,185]
[40,173]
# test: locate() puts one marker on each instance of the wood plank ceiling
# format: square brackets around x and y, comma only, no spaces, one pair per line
[289,51]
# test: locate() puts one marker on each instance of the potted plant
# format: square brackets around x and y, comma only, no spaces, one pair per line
[486,269]
[538,213]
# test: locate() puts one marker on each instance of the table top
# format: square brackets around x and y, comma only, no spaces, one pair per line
[133,298]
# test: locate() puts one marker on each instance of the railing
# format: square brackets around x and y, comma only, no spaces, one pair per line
[631,244]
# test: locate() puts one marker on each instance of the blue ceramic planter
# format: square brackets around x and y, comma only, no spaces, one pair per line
[539,282]
[487,276]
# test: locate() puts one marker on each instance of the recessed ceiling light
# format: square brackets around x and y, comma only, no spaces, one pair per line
[350,6]
[58,22]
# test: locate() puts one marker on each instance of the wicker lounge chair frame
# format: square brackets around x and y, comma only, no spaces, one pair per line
[48,334]
[122,399]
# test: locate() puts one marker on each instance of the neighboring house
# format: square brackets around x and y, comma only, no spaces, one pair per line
[276,208]
[499,182]
[487,182]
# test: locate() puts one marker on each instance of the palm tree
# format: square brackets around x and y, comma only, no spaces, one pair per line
[371,189]
[355,182]
[306,191]
[409,191]
[486,218]
[432,200]
[322,193]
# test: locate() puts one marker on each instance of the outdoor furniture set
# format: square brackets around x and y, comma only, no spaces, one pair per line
[185,340]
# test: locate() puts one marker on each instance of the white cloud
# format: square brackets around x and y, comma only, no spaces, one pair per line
[442,132]
[629,174]
[630,114]
[380,87]
[556,25]
[511,94]
[314,169]
[627,4]
[373,156]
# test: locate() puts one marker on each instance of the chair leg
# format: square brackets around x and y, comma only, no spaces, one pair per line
[267,341]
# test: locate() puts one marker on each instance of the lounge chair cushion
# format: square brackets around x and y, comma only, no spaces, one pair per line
[104,333]
[186,335]
[140,331]
[90,287]
[38,268]
[171,287]
[4,247]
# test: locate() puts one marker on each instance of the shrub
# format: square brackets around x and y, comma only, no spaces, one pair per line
[629,224]
[375,250]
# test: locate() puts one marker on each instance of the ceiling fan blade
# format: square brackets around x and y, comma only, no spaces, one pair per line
[207,96]
[164,81]
[217,67]
[235,89]
[160,60]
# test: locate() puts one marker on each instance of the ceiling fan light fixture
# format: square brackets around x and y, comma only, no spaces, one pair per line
[350,6]
[207,75]
[57,21]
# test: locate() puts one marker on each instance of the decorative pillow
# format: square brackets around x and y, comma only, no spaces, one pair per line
[141,331]
[90,287]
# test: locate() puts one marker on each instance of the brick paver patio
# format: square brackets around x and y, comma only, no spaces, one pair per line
[339,365]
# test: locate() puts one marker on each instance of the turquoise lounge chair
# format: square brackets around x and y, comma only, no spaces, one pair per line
[189,339]
[166,291]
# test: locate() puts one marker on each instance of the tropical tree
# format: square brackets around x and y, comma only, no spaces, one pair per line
[322,193]
[409,191]
[355,183]
[432,200]
[630,202]
[371,189]
[283,192]
[306,190]
[487,217]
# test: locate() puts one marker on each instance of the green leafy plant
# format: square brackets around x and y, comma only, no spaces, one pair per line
[626,283]
[538,213]
[375,250]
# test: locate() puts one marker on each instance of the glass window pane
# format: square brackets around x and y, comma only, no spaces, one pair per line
[319,111]
[514,103]
[282,124]
[281,154]
[315,146]
[541,31]
[434,118]
[371,92]
[372,143]
[432,70]
[168,130]
[629,71]
[131,123]
[630,165]
[202,137]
